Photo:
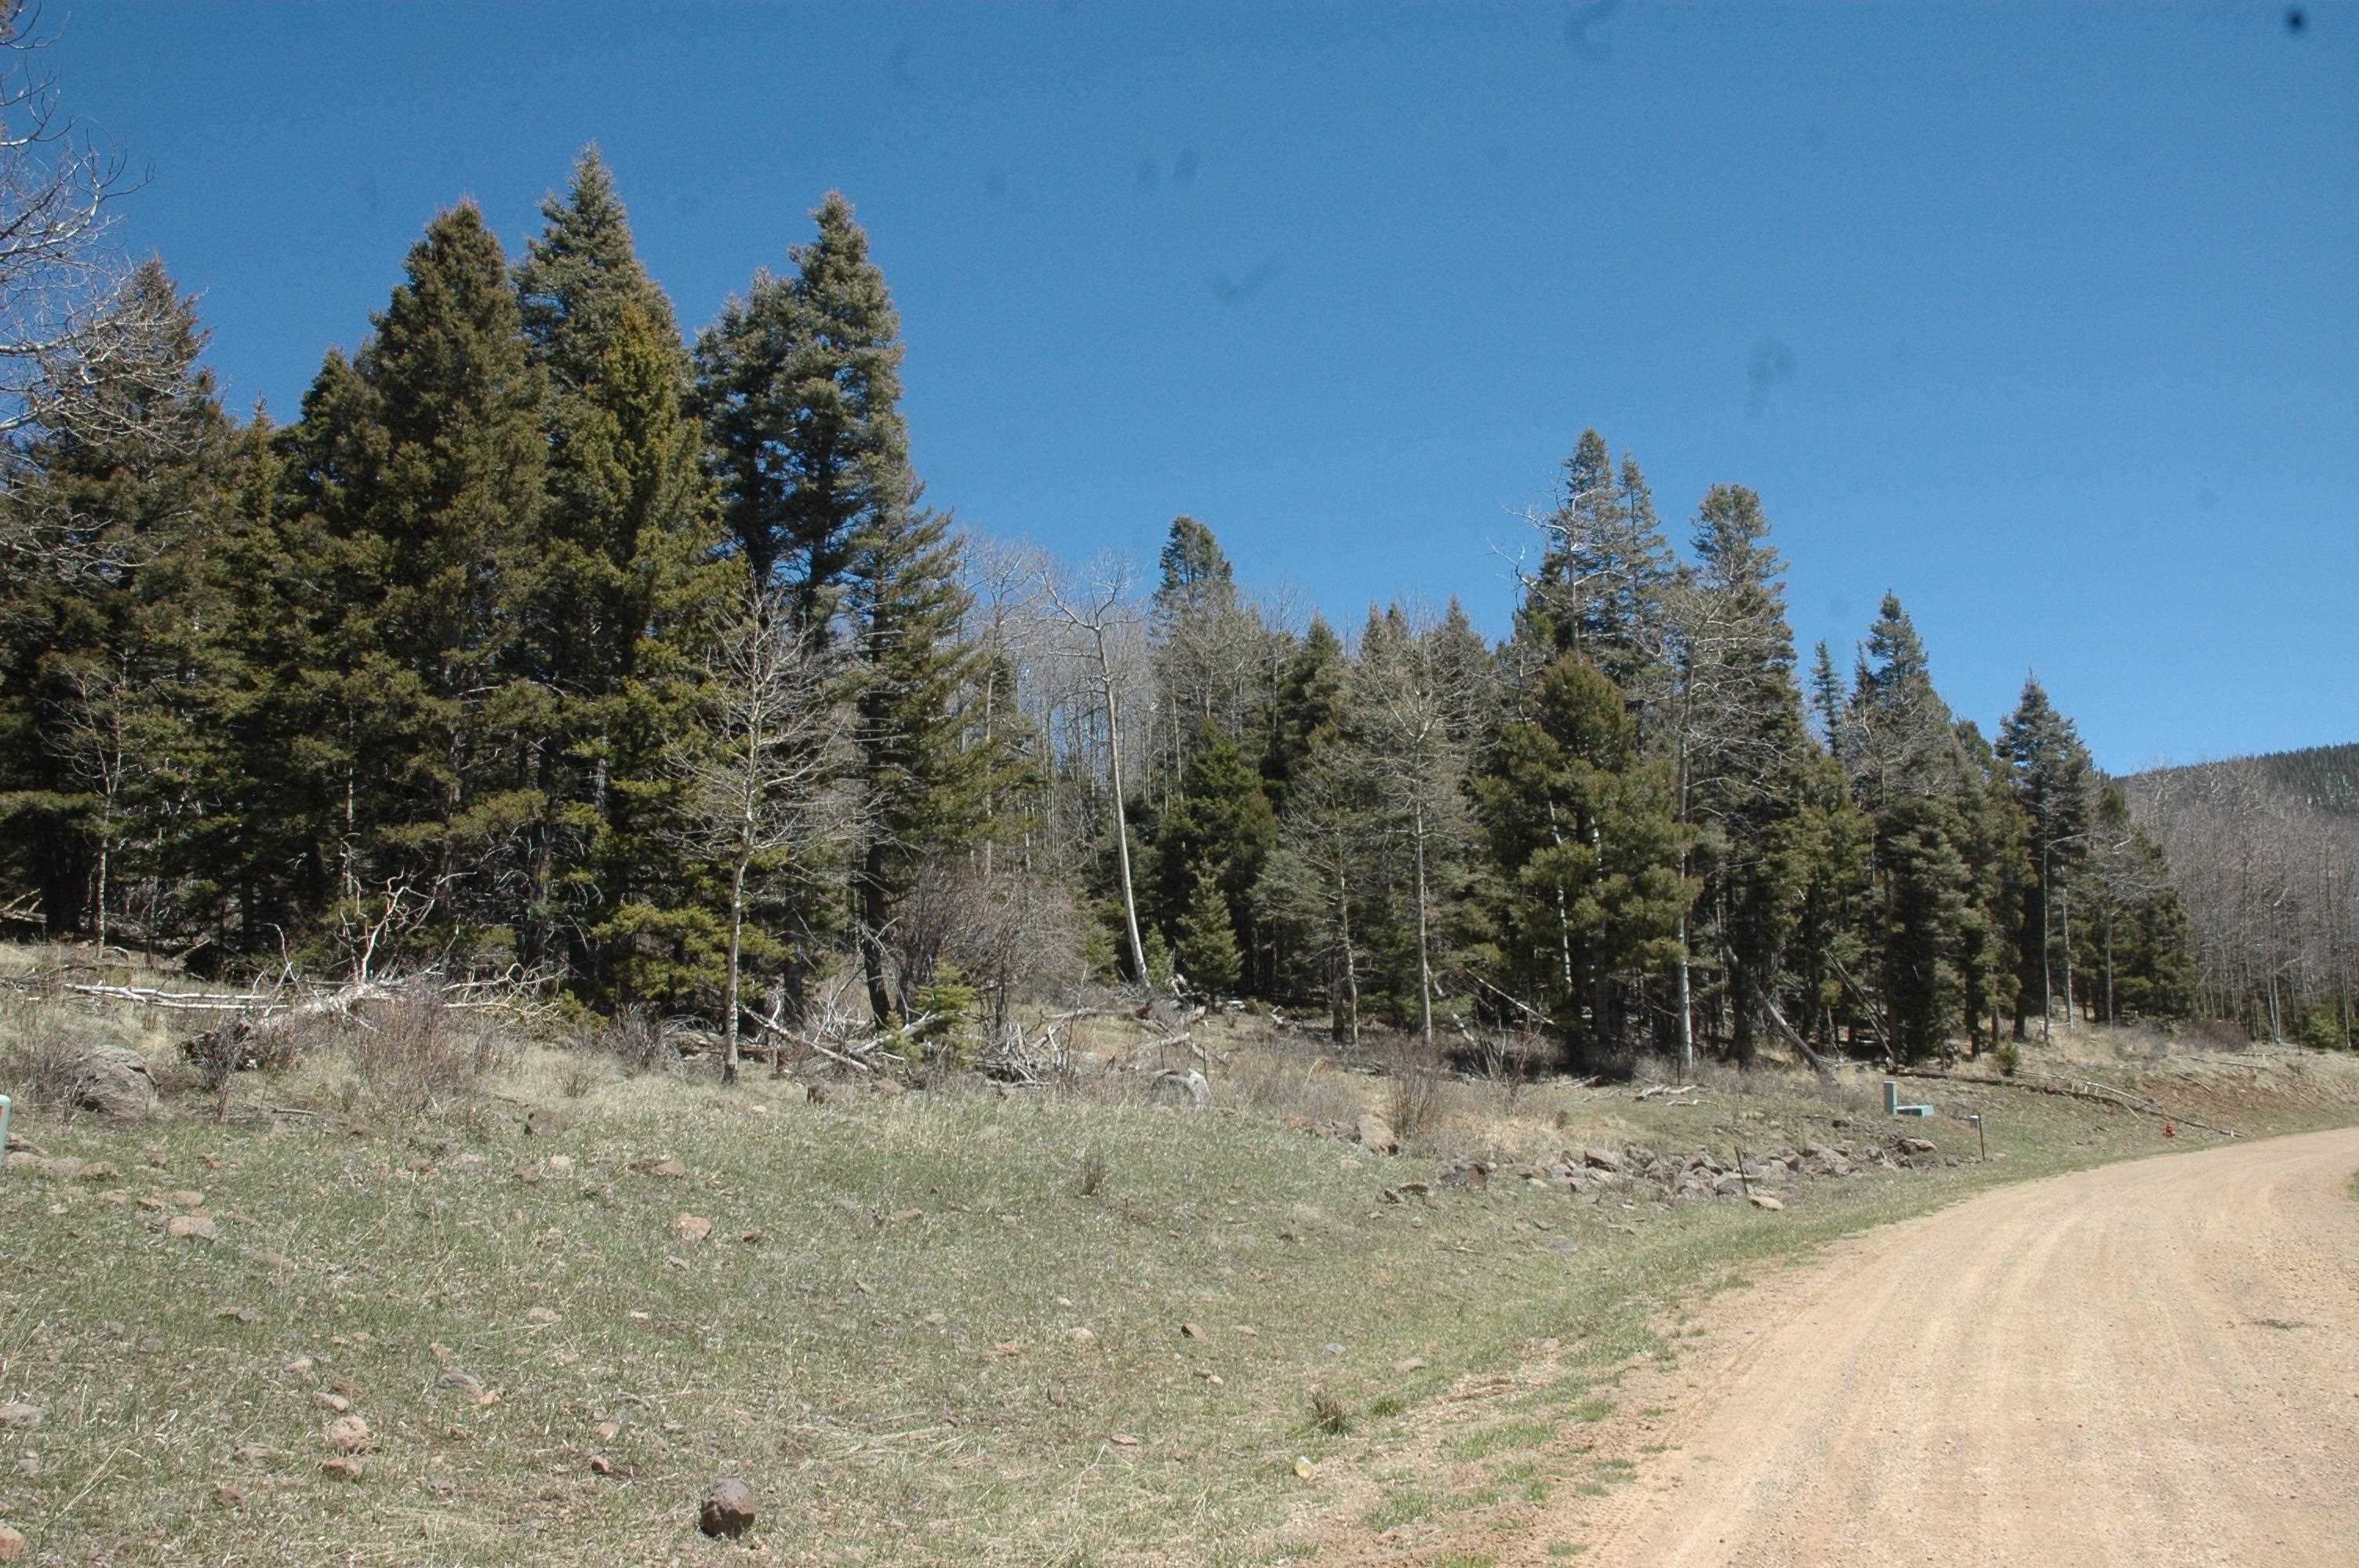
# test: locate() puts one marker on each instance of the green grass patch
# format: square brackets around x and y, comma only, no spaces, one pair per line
[1506,1437]
[901,1323]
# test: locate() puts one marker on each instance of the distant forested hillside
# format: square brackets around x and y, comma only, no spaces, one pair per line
[2324,778]
[2262,850]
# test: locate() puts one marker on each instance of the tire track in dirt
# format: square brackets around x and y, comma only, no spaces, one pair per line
[2153,1362]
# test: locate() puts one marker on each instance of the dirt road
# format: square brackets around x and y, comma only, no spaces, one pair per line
[2150,1363]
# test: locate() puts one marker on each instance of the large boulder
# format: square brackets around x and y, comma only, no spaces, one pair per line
[111,1081]
[727,1508]
[1175,1087]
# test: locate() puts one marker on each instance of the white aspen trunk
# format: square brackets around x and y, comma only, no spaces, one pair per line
[736,944]
[1351,957]
[1424,959]
[2064,912]
[1121,816]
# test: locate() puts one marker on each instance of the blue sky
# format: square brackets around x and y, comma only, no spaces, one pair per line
[2046,318]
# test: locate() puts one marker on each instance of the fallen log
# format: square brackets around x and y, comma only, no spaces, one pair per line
[253,1039]
[2083,1090]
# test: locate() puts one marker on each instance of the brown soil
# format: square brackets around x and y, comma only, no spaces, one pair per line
[2154,1362]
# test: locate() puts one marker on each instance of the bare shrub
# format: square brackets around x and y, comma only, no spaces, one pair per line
[1094,1171]
[38,1048]
[1285,1086]
[636,1038]
[1329,1413]
[417,1054]
[1417,1096]
[1015,938]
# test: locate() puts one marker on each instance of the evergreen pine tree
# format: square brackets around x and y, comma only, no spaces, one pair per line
[1221,825]
[2055,785]
[623,591]
[1204,940]
[801,382]
[1742,752]
[409,727]
[99,667]
[1586,837]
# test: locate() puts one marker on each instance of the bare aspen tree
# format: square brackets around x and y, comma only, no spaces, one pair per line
[1409,704]
[766,784]
[1100,616]
[70,321]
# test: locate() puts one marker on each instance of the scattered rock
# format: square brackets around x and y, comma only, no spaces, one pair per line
[1916,1146]
[727,1508]
[1191,1331]
[228,1497]
[753,1238]
[336,1402]
[22,1417]
[346,1434]
[1599,1160]
[190,1228]
[12,1544]
[245,1315]
[111,1081]
[1763,1200]
[1124,1439]
[891,1088]
[185,1199]
[460,1382]
[671,1170]
[1082,1336]
[254,1453]
[1177,1088]
[544,1122]
[543,1317]
[343,1469]
[1411,1364]
[1374,1133]
[560,1164]
[906,1215]
[689,1227]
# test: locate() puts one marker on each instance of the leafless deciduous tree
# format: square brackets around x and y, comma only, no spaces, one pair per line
[769,782]
[70,321]
[1100,616]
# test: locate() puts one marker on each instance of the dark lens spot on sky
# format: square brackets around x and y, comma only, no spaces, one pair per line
[897,66]
[1815,138]
[1236,292]
[1183,169]
[1579,34]
[1838,607]
[1771,363]
[2295,20]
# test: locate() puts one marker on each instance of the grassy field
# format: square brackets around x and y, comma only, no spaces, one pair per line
[950,1326]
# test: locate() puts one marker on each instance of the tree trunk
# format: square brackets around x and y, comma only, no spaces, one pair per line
[874,911]
[737,947]
[1121,818]
[1424,956]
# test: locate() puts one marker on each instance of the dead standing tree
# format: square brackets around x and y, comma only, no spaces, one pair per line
[768,779]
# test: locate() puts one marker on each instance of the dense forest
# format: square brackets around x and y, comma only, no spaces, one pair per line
[547,642]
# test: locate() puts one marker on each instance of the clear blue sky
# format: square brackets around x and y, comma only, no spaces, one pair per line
[2044,316]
